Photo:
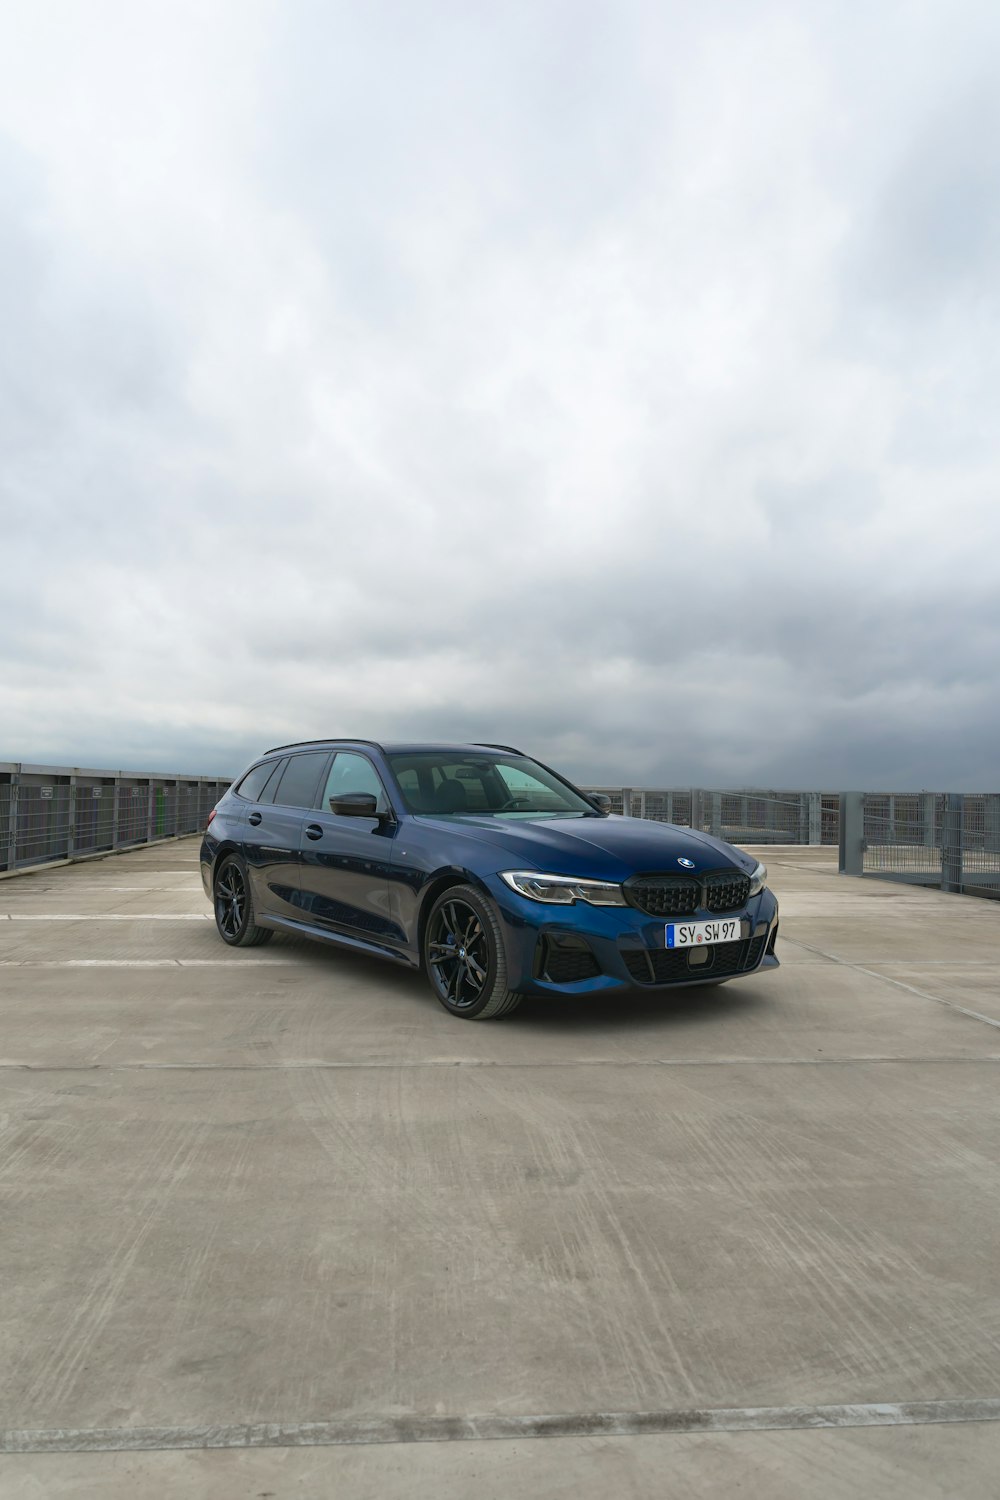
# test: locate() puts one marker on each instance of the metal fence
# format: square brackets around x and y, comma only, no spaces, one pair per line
[60,812]
[947,840]
[749,816]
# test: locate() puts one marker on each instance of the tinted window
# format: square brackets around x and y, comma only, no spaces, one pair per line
[256,780]
[528,790]
[273,782]
[494,783]
[351,772]
[297,787]
[410,783]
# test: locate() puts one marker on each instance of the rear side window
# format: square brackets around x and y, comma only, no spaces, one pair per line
[256,780]
[297,787]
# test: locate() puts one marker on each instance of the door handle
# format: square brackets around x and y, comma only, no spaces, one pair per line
[313,831]
[254,818]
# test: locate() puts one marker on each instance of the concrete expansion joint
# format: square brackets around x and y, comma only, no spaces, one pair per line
[898,984]
[492,1428]
[419,1065]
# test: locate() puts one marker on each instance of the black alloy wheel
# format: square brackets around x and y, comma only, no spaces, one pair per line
[464,956]
[234,907]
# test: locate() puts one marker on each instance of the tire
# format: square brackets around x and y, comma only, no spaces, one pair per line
[233,905]
[464,956]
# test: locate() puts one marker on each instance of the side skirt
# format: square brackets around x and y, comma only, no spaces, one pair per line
[340,940]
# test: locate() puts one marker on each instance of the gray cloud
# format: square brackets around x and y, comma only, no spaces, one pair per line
[616,381]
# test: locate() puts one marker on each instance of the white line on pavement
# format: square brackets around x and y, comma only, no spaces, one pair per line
[142,963]
[105,916]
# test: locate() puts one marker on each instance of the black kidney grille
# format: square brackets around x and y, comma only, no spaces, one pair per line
[663,895]
[726,892]
[680,896]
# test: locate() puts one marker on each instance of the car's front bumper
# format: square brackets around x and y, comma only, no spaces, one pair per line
[546,943]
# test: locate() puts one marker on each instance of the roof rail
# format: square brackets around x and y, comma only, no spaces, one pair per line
[300,744]
[492,745]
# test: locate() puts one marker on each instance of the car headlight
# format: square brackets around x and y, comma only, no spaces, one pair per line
[758,879]
[563,890]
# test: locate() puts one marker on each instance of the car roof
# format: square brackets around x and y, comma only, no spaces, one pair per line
[399,748]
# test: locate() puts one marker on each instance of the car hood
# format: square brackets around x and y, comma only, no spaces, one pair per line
[610,848]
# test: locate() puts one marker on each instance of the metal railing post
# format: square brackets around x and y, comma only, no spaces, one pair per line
[951,842]
[626,801]
[991,822]
[71,818]
[852,833]
[12,827]
[715,814]
[928,817]
[815,817]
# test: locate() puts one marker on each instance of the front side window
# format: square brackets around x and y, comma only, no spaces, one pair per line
[297,787]
[351,772]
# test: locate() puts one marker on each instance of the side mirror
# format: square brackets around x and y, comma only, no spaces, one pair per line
[601,801]
[355,805]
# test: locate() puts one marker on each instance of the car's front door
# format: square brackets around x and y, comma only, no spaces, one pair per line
[346,860]
[272,834]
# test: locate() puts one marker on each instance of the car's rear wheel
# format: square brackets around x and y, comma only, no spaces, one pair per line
[234,907]
[464,956]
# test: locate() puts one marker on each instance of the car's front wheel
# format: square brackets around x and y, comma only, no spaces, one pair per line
[464,956]
[234,906]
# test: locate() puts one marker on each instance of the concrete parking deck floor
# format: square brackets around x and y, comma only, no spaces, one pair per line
[283,1187]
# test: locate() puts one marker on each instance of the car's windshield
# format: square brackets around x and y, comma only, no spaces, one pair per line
[450,782]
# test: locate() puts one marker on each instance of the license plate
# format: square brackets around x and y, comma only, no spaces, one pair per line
[691,934]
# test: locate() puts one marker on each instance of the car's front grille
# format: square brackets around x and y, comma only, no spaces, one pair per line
[673,965]
[682,896]
[726,892]
[663,895]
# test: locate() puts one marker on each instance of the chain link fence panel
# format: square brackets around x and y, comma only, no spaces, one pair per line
[948,841]
[750,816]
[52,813]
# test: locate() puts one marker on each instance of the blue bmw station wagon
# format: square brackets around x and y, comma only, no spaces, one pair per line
[486,869]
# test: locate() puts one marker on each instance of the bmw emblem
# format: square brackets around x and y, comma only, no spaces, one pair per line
[687,863]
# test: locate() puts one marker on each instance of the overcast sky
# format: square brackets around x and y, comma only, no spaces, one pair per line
[618,380]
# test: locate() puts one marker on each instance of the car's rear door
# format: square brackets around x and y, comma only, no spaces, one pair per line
[272,833]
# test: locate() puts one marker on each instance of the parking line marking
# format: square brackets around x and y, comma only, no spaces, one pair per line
[162,890]
[325,1065]
[143,963]
[493,1428]
[104,916]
